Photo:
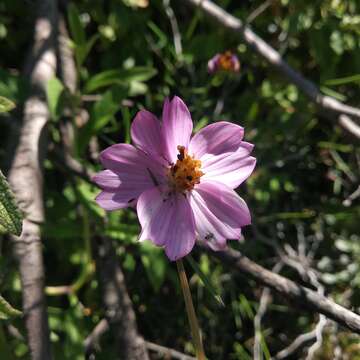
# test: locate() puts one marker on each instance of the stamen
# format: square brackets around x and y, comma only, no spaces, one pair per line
[185,174]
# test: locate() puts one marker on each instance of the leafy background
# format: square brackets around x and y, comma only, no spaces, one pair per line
[299,194]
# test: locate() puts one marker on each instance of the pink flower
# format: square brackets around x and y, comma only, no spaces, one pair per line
[227,61]
[182,186]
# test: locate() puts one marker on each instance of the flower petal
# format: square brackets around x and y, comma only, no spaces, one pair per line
[146,132]
[213,63]
[107,180]
[111,201]
[167,221]
[176,127]
[131,173]
[219,213]
[229,168]
[215,139]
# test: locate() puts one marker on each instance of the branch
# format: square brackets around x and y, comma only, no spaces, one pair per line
[263,305]
[26,180]
[288,288]
[327,103]
[92,342]
[118,306]
[296,345]
[66,62]
[300,295]
[174,27]
[258,11]
[167,352]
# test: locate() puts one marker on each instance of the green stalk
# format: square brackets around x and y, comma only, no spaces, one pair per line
[194,326]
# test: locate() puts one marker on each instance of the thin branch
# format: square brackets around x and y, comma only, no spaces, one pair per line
[118,306]
[264,302]
[298,294]
[354,195]
[327,103]
[91,343]
[258,11]
[322,319]
[296,345]
[26,179]
[346,123]
[66,66]
[174,27]
[167,352]
[318,336]
[288,288]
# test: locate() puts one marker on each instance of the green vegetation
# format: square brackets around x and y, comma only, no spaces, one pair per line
[302,194]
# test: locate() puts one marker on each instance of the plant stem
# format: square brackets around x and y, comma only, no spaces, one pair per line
[195,330]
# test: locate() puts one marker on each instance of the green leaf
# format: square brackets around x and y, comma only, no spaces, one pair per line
[84,49]
[333,93]
[87,194]
[6,105]
[116,76]
[155,264]
[54,90]
[343,80]
[136,3]
[206,281]
[76,29]
[101,113]
[81,46]
[10,216]
[7,311]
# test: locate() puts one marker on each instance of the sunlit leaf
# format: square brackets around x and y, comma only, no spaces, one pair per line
[206,281]
[7,311]
[6,105]
[136,3]
[155,264]
[119,76]
[76,29]
[54,90]
[10,216]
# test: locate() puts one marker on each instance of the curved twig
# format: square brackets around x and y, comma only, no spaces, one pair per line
[300,295]
[327,103]
[26,180]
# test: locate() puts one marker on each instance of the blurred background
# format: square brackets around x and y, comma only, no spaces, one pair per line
[304,194]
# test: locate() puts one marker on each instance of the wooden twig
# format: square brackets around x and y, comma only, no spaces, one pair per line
[328,104]
[301,341]
[167,352]
[291,291]
[92,342]
[120,316]
[26,180]
[265,299]
[118,306]
[258,11]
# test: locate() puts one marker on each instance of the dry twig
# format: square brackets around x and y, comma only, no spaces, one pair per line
[328,104]
[92,342]
[298,294]
[289,289]
[118,306]
[26,179]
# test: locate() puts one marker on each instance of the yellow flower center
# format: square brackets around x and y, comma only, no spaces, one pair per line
[226,61]
[185,174]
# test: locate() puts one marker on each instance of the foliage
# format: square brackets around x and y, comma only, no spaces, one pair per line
[6,104]
[300,194]
[10,216]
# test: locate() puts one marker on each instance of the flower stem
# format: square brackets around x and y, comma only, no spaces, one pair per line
[195,330]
